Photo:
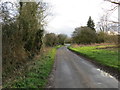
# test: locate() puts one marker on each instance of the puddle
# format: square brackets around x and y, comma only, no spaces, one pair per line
[105,74]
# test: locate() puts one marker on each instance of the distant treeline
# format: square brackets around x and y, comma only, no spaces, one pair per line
[83,35]
[52,39]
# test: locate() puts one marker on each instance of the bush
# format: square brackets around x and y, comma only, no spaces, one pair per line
[50,39]
[104,37]
[84,35]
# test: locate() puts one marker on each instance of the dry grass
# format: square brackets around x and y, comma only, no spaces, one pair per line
[95,44]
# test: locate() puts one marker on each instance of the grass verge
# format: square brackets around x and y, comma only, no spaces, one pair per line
[103,56]
[36,75]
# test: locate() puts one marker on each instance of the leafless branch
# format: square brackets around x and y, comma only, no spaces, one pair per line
[115,2]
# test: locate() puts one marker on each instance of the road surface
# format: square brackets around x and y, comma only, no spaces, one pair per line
[75,72]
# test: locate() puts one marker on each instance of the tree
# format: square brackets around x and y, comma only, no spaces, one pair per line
[84,35]
[51,39]
[114,1]
[91,24]
[115,4]
[75,35]
[102,37]
[62,38]
[22,32]
[68,40]
[103,23]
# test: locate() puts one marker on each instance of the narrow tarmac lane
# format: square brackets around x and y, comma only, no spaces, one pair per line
[75,72]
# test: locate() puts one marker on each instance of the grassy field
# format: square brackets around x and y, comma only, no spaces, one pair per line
[37,72]
[101,54]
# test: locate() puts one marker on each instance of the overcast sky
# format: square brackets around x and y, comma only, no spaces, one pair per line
[69,14]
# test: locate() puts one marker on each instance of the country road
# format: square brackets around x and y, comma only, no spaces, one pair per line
[74,72]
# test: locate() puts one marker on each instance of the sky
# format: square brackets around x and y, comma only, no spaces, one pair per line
[69,14]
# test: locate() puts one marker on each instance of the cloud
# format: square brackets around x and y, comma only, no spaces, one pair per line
[69,14]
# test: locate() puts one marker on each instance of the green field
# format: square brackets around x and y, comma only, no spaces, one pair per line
[37,72]
[107,57]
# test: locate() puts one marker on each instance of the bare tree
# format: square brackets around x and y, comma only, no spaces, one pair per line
[117,4]
[114,1]
[104,22]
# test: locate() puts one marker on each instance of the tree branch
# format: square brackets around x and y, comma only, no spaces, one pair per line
[118,3]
